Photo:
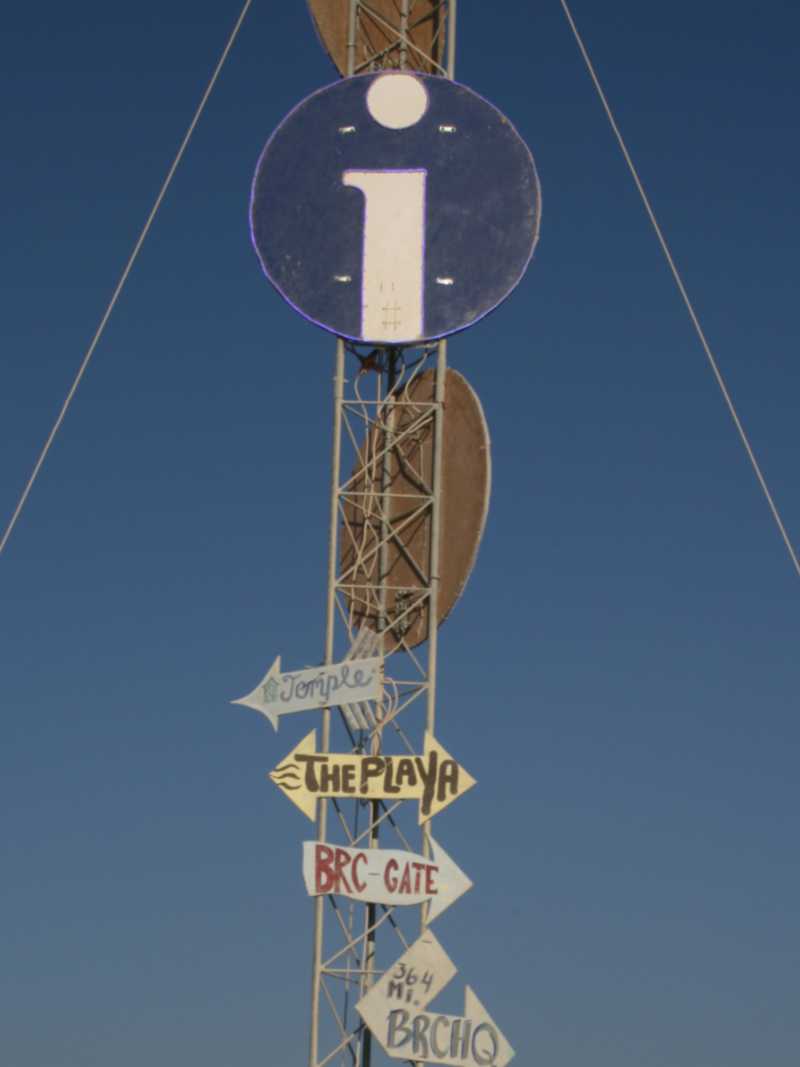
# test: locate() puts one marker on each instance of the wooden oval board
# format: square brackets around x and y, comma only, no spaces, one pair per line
[466,482]
[378,35]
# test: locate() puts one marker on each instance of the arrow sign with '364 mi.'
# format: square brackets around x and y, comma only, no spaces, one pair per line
[394,1010]
[417,977]
[435,779]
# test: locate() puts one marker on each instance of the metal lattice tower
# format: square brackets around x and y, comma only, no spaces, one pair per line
[388,432]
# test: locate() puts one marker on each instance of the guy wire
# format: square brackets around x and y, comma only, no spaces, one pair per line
[124,277]
[682,289]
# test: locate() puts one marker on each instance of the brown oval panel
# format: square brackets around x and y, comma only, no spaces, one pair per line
[378,38]
[466,481]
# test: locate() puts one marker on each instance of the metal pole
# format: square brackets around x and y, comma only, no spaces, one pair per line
[436,525]
[351,36]
[388,416]
[387,410]
[330,624]
[438,446]
[451,38]
[336,460]
[404,34]
[322,809]
[435,570]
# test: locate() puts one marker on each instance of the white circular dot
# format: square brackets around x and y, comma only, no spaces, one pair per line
[397,100]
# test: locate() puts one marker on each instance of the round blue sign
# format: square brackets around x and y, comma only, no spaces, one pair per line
[395,208]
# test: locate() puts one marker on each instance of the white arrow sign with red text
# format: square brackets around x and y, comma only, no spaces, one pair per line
[394,1010]
[384,875]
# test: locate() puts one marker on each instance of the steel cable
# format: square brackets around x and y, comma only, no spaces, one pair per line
[682,289]
[124,276]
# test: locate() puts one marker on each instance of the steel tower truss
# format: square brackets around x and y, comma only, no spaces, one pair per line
[384,425]
[401,34]
[381,430]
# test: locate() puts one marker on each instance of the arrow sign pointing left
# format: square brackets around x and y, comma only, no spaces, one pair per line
[351,682]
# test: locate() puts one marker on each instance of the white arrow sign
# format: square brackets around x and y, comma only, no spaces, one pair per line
[384,875]
[468,1040]
[394,1010]
[419,975]
[317,687]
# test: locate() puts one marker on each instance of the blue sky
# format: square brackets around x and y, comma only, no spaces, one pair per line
[621,674]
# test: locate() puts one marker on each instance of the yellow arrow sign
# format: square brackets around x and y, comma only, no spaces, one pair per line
[435,779]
